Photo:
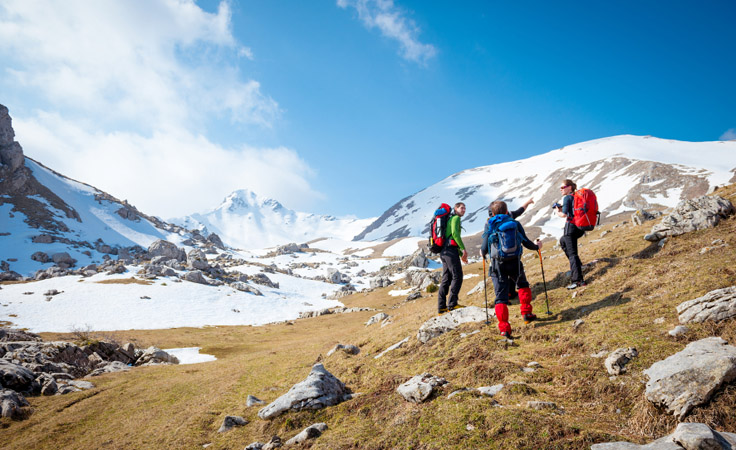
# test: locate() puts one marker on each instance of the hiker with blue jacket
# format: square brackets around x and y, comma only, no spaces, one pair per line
[514,214]
[503,238]
[452,271]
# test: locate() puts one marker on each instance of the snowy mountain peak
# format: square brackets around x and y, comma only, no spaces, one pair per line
[247,200]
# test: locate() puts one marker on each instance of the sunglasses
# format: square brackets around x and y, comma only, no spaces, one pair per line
[563,187]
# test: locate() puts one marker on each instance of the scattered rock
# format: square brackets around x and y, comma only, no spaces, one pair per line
[393,347]
[541,405]
[335,276]
[230,422]
[10,334]
[311,432]
[154,355]
[690,377]
[319,390]
[439,325]
[196,259]
[195,276]
[641,216]
[420,387]
[490,391]
[380,317]
[691,215]
[577,324]
[42,239]
[245,287]
[659,320]
[11,403]
[115,366]
[618,359]
[253,401]
[689,436]
[380,282]
[419,258]
[413,296]
[678,331]
[263,280]
[63,260]
[168,249]
[716,305]
[420,279]
[41,257]
[15,377]
[348,349]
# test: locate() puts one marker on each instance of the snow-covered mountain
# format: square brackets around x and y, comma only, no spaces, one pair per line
[626,172]
[247,220]
[44,211]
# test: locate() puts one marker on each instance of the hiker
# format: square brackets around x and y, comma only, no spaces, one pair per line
[451,254]
[505,236]
[514,214]
[569,239]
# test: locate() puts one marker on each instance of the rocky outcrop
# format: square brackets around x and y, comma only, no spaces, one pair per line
[231,422]
[196,259]
[380,282]
[691,215]
[689,378]
[420,279]
[378,318]
[716,305]
[15,377]
[335,276]
[439,325]
[419,258]
[195,276]
[688,436]
[154,355]
[345,348]
[641,216]
[319,390]
[420,387]
[11,403]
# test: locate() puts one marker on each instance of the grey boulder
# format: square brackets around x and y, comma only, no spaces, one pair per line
[311,432]
[195,276]
[346,348]
[439,325]
[154,355]
[196,259]
[167,249]
[618,359]
[15,377]
[319,390]
[716,305]
[690,377]
[11,403]
[688,436]
[691,215]
[420,387]
[230,422]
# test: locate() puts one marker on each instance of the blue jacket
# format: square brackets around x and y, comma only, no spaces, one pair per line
[494,221]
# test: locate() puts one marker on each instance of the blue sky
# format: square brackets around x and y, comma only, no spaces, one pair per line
[347,106]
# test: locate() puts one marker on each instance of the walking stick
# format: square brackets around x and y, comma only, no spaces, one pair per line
[539,252]
[485,290]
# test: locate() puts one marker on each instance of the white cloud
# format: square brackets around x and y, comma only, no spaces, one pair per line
[120,95]
[728,135]
[393,24]
[168,174]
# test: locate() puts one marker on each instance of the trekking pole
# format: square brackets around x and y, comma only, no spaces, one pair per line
[539,252]
[485,291]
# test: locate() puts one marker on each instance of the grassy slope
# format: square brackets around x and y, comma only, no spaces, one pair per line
[182,406]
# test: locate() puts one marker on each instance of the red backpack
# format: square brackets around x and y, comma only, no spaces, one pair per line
[585,209]
[437,228]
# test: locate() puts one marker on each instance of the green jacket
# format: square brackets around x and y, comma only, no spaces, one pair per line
[453,232]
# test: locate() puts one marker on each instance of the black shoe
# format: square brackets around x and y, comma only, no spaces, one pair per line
[529,317]
[507,335]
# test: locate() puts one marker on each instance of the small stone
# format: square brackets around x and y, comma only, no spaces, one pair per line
[659,320]
[230,422]
[253,401]
[577,324]
[541,405]
[678,331]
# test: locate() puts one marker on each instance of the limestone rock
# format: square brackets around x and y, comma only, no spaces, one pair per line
[380,282]
[716,305]
[319,390]
[11,403]
[399,344]
[346,348]
[420,279]
[419,258]
[380,317]
[691,215]
[311,432]
[230,422]
[245,287]
[439,325]
[15,377]
[41,257]
[168,249]
[115,366]
[196,259]
[253,401]
[154,355]
[195,276]
[690,377]
[490,391]
[63,260]
[420,387]
[641,216]
[10,334]
[678,331]
[263,280]
[335,276]
[540,405]
[618,359]
[689,436]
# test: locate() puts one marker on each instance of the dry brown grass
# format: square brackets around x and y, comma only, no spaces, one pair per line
[131,280]
[182,406]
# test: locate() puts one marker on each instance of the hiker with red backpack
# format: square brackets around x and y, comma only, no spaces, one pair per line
[580,208]
[503,237]
[445,239]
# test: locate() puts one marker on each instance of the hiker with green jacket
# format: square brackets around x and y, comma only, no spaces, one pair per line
[451,254]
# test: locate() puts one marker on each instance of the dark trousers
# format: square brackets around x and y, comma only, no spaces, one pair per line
[569,244]
[452,278]
[506,274]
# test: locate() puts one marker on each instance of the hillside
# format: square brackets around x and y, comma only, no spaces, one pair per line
[630,302]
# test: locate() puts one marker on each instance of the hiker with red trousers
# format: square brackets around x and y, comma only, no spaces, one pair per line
[502,238]
[514,214]
[451,254]
[569,239]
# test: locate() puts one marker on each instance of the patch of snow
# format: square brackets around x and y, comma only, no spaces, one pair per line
[190,355]
[404,247]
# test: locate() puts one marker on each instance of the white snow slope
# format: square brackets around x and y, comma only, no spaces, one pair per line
[626,173]
[247,221]
[98,220]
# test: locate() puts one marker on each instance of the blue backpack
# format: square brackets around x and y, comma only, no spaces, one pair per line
[504,240]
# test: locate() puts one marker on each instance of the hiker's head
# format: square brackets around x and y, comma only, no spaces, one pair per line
[498,207]
[568,187]
[460,209]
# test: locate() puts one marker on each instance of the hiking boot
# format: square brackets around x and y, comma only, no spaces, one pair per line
[441,311]
[458,306]
[577,285]
[507,335]
[529,317]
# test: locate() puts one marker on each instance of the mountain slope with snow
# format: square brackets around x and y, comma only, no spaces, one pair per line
[246,220]
[626,172]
